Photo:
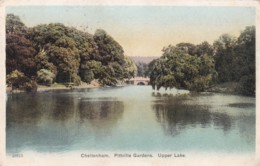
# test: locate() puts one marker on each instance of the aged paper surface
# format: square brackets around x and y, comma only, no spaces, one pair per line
[77,158]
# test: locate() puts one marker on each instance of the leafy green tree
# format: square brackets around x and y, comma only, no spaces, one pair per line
[44,35]
[111,55]
[130,69]
[109,50]
[224,52]
[176,68]
[85,44]
[235,60]
[66,60]
[20,64]
[189,48]
[203,48]
[43,62]
[58,51]
[17,80]
[107,76]
[14,25]
[90,70]
[45,77]
[150,67]
[244,61]
[142,69]
[20,55]
[19,50]
[90,64]
[199,50]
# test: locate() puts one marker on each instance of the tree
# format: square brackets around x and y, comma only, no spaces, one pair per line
[107,76]
[142,69]
[58,51]
[66,60]
[176,68]
[224,52]
[45,77]
[90,70]
[109,50]
[90,64]
[189,48]
[203,48]
[235,60]
[14,25]
[20,55]
[130,69]
[111,55]
[244,61]
[17,80]
[43,62]
[19,50]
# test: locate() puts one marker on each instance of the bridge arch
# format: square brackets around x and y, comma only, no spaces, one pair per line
[138,81]
[141,83]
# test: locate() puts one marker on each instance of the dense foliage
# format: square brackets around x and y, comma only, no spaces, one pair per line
[49,53]
[45,76]
[235,60]
[17,80]
[177,68]
[196,67]
[142,69]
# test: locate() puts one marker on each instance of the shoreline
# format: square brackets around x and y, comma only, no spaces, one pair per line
[226,88]
[84,86]
[43,88]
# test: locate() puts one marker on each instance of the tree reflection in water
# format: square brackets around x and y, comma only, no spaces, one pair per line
[102,113]
[53,121]
[21,111]
[176,113]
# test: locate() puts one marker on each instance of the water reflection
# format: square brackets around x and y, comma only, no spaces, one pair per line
[63,107]
[175,114]
[101,112]
[21,111]
[127,118]
[100,109]
[54,121]
[246,125]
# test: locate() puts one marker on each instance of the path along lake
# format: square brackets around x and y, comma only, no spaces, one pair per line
[130,118]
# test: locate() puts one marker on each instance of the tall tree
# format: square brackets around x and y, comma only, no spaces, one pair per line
[130,69]
[109,49]
[142,69]
[19,50]
[189,48]
[244,61]
[224,52]
[14,25]
[176,68]
[111,55]
[235,60]
[57,50]
[203,48]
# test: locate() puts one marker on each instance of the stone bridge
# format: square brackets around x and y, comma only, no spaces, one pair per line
[138,81]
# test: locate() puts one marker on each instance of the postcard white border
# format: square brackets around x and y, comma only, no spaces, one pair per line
[74,158]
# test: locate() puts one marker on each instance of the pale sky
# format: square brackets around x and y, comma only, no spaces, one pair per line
[144,30]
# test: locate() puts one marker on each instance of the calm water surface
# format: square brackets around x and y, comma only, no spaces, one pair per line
[132,118]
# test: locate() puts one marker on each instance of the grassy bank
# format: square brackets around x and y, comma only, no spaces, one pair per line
[57,86]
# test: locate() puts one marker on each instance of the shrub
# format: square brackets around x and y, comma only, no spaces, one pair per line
[17,80]
[45,76]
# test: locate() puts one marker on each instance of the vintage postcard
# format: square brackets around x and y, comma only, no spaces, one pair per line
[129,83]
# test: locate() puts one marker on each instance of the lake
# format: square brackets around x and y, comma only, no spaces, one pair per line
[130,118]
